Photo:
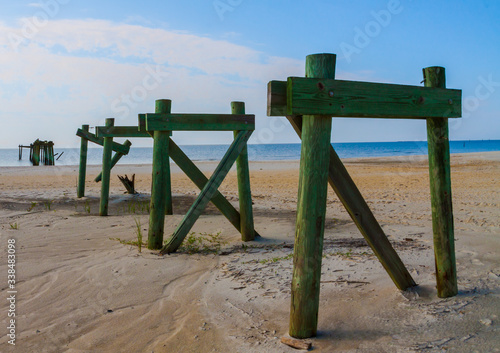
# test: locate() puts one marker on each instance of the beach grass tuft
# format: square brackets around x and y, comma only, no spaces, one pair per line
[139,233]
[48,204]
[33,205]
[205,243]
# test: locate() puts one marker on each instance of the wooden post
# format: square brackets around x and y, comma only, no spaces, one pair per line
[45,153]
[106,171]
[244,192]
[117,156]
[42,147]
[80,192]
[311,209]
[36,153]
[51,153]
[161,194]
[440,183]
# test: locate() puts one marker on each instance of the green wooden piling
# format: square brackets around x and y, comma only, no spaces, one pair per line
[36,153]
[80,192]
[161,193]
[117,156]
[51,153]
[440,184]
[311,209]
[106,171]
[244,192]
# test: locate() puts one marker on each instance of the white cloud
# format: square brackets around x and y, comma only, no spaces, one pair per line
[71,71]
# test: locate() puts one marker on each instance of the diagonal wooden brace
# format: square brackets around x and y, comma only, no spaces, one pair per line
[208,192]
[345,188]
[114,160]
[200,180]
[117,147]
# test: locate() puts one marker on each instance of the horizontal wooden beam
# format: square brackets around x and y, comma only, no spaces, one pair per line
[199,122]
[120,131]
[142,125]
[338,98]
[100,141]
[276,98]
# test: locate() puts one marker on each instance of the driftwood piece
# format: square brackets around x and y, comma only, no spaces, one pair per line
[128,183]
[296,343]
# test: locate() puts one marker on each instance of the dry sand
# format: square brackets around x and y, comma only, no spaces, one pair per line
[81,290]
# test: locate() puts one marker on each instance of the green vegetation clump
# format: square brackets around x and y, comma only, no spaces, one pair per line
[205,243]
[276,259]
[48,204]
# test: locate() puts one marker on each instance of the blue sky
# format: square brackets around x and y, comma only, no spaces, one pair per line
[64,63]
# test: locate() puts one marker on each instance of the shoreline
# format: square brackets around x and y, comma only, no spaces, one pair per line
[487,156]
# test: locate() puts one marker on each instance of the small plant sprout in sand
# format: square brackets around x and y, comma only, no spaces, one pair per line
[14,226]
[139,233]
[87,206]
[33,205]
[48,204]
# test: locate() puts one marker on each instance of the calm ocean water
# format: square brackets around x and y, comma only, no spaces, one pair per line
[143,155]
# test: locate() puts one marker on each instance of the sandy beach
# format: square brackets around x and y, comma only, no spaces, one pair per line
[82,288]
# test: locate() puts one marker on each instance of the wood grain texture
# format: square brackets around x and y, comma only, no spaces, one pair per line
[82,170]
[311,209]
[440,188]
[207,193]
[161,193]
[199,122]
[106,171]
[244,191]
[276,98]
[142,125]
[346,99]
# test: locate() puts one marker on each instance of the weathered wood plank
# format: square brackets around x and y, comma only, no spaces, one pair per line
[142,125]
[361,99]
[244,190]
[276,98]
[440,185]
[311,209]
[350,196]
[199,122]
[120,131]
[207,193]
[100,141]
[161,193]
[106,171]
[82,170]
[365,99]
